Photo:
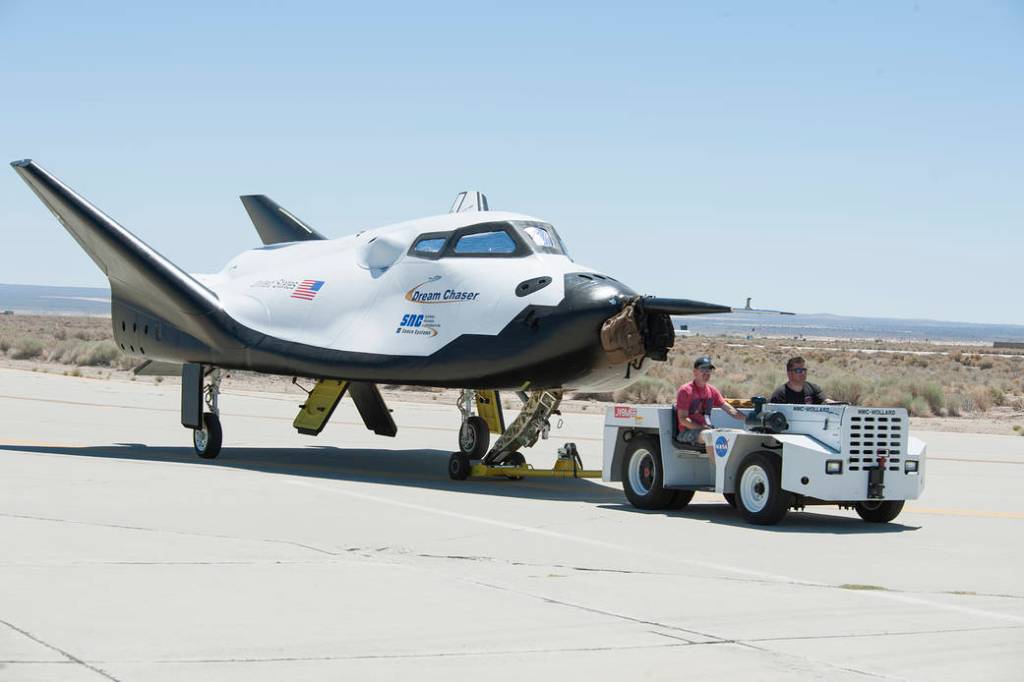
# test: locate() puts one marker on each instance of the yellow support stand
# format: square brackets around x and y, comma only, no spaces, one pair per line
[319,406]
[488,406]
[568,465]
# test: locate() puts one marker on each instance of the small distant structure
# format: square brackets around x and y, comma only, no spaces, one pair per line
[8,312]
[1008,344]
[684,330]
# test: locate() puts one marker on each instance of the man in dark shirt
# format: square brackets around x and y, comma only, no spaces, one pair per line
[797,390]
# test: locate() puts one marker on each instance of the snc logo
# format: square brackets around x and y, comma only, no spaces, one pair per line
[411,321]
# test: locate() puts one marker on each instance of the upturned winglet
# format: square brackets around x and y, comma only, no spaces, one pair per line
[137,273]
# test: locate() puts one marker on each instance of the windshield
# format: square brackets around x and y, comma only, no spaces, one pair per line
[542,237]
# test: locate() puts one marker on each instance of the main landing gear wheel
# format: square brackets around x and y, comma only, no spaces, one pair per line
[759,492]
[207,440]
[474,437]
[459,466]
[642,475]
[879,511]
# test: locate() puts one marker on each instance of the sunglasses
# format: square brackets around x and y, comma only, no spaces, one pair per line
[799,370]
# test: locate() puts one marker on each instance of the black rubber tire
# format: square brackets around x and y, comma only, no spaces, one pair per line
[514,459]
[680,499]
[652,495]
[776,501]
[459,466]
[209,447]
[730,499]
[474,437]
[882,511]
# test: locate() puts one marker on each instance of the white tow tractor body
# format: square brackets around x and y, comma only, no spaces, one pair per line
[795,455]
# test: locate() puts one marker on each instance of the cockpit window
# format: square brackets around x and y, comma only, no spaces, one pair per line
[497,241]
[539,236]
[429,245]
[542,237]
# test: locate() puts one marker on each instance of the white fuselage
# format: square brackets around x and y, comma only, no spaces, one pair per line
[377,298]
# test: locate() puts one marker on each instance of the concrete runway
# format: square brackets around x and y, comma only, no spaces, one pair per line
[349,556]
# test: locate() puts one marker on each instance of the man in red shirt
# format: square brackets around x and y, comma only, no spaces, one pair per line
[695,401]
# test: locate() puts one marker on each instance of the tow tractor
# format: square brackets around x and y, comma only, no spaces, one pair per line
[781,457]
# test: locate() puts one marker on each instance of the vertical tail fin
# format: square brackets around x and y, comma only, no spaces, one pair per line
[274,224]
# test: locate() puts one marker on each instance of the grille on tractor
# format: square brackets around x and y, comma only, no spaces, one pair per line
[869,437]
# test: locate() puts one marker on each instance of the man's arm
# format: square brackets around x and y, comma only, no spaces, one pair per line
[733,412]
[687,423]
[819,396]
[719,401]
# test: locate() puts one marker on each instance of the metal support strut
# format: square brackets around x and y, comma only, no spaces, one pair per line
[211,391]
[465,403]
[531,424]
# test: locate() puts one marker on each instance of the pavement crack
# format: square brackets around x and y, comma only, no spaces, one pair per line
[528,564]
[814,661]
[436,654]
[885,633]
[602,612]
[69,656]
[145,529]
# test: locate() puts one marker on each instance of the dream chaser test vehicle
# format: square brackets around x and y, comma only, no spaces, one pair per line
[477,300]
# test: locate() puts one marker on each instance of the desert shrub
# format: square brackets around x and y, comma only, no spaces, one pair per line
[26,348]
[932,394]
[968,399]
[646,390]
[919,407]
[593,395]
[5,345]
[87,353]
[65,352]
[845,388]
[99,353]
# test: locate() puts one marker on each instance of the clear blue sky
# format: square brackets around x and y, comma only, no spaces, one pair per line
[861,158]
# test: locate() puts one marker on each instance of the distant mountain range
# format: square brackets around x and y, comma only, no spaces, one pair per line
[31,299]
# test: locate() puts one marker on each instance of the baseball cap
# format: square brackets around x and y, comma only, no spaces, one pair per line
[703,362]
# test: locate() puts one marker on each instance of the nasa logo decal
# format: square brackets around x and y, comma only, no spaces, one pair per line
[414,295]
[721,446]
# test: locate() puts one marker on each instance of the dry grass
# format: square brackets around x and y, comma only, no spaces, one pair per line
[950,381]
[76,341]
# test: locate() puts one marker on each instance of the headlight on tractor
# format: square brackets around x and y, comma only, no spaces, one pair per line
[910,466]
[834,466]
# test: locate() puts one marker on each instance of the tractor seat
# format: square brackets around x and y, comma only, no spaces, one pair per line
[675,437]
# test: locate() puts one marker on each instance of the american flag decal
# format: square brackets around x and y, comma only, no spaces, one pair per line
[307,290]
